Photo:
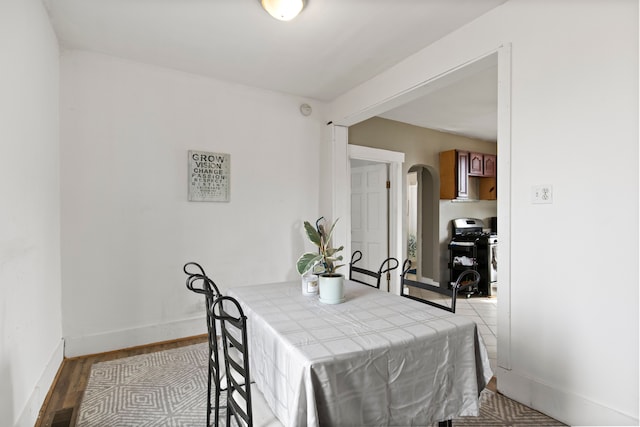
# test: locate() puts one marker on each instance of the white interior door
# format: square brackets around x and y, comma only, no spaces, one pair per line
[369,213]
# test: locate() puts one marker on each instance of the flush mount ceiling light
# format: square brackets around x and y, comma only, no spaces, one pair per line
[284,10]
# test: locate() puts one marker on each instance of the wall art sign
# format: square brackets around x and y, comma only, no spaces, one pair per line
[209,175]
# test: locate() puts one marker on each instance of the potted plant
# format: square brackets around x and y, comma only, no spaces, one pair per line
[323,262]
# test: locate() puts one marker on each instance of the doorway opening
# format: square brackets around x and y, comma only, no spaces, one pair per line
[366,156]
[422,219]
[340,151]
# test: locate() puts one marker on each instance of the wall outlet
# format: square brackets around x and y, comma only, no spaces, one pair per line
[542,193]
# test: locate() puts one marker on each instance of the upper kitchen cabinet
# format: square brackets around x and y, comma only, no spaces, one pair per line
[476,164]
[489,168]
[456,167]
[482,164]
[454,174]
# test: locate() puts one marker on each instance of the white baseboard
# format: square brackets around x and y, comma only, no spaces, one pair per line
[564,406]
[429,281]
[125,338]
[30,413]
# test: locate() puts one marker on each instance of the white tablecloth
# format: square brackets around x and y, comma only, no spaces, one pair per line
[375,360]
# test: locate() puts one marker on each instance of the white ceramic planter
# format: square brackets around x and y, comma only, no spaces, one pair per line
[331,288]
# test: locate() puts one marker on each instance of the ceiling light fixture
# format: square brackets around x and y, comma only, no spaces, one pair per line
[284,10]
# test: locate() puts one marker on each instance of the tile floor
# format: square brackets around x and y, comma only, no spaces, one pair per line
[483,311]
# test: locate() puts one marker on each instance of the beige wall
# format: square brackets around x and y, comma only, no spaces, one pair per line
[421,147]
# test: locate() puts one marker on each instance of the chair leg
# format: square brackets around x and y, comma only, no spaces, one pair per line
[209,401]
[217,408]
[211,383]
[213,386]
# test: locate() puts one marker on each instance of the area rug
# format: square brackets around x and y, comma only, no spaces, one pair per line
[168,388]
[498,410]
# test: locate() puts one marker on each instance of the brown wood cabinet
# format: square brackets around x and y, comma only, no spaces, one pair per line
[481,164]
[476,164]
[488,189]
[457,166]
[489,165]
[454,174]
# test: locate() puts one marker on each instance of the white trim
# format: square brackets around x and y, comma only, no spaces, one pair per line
[395,160]
[429,281]
[504,206]
[374,154]
[564,406]
[30,413]
[418,90]
[125,338]
[340,190]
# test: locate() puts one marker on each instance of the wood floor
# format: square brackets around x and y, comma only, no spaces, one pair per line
[61,405]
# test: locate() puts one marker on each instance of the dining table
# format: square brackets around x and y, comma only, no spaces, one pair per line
[377,359]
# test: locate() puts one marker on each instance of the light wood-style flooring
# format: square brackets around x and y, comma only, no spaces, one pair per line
[61,405]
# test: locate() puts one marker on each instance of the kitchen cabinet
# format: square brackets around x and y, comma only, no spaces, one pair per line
[456,168]
[489,165]
[481,164]
[454,174]
[487,189]
[476,164]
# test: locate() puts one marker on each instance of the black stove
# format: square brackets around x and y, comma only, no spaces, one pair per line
[473,248]
[470,230]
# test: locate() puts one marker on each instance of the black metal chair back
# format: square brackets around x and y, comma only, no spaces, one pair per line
[387,265]
[233,325]
[193,266]
[441,297]
[198,282]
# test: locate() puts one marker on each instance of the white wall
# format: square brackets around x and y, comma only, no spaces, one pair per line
[573,312]
[30,308]
[127,226]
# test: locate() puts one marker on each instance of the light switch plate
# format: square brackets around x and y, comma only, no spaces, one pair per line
[542,193]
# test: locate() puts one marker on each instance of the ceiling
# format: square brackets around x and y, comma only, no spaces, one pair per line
[331,47]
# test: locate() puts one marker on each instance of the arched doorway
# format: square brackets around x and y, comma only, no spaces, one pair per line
[423,217]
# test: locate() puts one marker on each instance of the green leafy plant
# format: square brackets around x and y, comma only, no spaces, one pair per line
[411,246]
[326,257]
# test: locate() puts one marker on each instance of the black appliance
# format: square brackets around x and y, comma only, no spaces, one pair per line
[493,223]
[473,248]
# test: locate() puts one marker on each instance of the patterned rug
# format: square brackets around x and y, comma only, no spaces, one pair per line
[168,388]
[498,410]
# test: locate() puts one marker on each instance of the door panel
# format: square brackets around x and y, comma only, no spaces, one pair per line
[369,224]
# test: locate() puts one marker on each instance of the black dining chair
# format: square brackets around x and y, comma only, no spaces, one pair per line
[200,283]
[436,296]
[356,273]
[193,268]
[244,403]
